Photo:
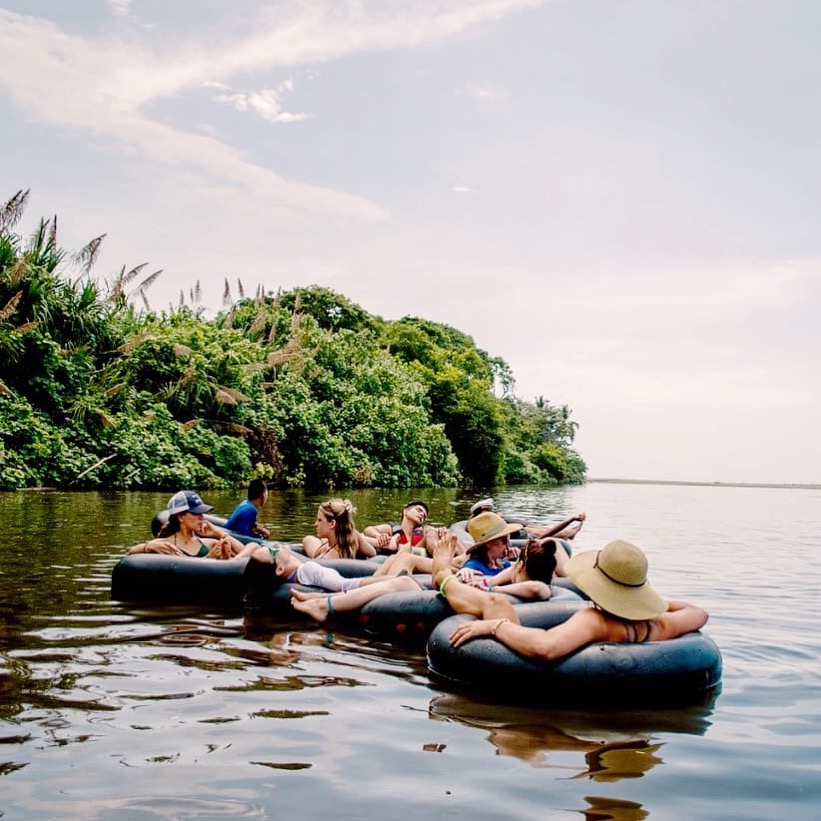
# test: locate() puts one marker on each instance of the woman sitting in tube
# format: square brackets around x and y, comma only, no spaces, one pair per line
[188,533]
[336,534]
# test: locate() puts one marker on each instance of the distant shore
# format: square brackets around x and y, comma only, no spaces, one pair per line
[704,484]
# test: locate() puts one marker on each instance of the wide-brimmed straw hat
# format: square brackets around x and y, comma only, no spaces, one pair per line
[615,578]
[487,526]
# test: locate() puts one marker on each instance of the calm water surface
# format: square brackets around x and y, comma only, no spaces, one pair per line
[105,713]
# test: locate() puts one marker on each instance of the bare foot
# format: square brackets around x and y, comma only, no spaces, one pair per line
[316,608]
[443,550]
[306,595]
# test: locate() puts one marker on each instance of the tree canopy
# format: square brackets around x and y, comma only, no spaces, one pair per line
[300,387]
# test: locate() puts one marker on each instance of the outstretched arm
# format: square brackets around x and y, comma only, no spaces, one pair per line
[580,629]
[679,619]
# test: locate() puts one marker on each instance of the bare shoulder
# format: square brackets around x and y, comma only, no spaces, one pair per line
[681,618]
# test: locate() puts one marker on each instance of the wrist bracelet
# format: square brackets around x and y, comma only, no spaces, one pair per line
[496,627]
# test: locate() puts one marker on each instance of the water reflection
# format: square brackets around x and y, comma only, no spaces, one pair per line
[612,809]
[112,711]
[613,746]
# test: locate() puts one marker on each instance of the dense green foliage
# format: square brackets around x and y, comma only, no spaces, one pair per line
[303,388]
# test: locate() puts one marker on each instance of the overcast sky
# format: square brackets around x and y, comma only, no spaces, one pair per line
[621,198]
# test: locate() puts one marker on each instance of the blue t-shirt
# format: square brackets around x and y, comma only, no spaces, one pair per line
[243,519]
[481,567]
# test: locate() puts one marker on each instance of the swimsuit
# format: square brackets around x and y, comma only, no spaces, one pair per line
[631,627]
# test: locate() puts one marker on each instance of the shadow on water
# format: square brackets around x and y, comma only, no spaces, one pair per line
[617,743]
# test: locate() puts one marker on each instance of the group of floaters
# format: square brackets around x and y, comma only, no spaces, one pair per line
[530,610]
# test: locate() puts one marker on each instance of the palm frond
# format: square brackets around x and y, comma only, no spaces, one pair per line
[236,395]
[230,428]
[223,397]
[134,342]
[87,256]
[27,326]
[12,211]
[8,308]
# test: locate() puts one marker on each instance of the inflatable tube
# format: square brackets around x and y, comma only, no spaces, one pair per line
[156,577]
[411,617]
[685,670]
[266,596]
[162,517]
[160,578]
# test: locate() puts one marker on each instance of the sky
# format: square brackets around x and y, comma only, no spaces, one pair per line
[620,198]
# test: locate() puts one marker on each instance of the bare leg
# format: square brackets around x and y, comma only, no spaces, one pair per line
[318,606]
[409,562]
[461,597]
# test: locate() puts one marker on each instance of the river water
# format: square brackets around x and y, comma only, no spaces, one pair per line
[104,715]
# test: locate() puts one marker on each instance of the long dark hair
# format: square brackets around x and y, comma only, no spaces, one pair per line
[170,527]
[539,559]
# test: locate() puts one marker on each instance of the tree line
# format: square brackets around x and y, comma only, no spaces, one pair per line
[302,387]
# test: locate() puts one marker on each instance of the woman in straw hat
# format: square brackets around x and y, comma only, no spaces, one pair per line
[626,608]
[489,552]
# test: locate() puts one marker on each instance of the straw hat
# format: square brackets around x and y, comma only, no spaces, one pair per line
[615,578]
[487,526]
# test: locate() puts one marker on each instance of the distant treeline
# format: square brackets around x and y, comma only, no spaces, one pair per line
[302,387]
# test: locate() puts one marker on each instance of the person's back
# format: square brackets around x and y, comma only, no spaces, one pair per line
[243,519]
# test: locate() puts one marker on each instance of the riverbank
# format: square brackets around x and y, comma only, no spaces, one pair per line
[795,486]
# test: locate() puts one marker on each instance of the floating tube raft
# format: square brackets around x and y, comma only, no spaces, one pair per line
[682,670]
[411,617]
[160,578]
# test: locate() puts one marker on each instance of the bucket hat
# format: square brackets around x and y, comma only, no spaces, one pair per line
[187,501]
[615,578]
[487,526]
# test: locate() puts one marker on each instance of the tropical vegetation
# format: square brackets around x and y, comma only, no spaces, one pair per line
[301,387]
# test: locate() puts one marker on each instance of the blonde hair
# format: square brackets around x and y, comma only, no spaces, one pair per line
[341,512]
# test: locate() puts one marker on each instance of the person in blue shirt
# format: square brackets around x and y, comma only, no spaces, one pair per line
[489,554]
[244,518]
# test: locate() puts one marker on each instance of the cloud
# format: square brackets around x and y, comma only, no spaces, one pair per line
[266,104]
[486,93]
[106,88]
[119,7]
